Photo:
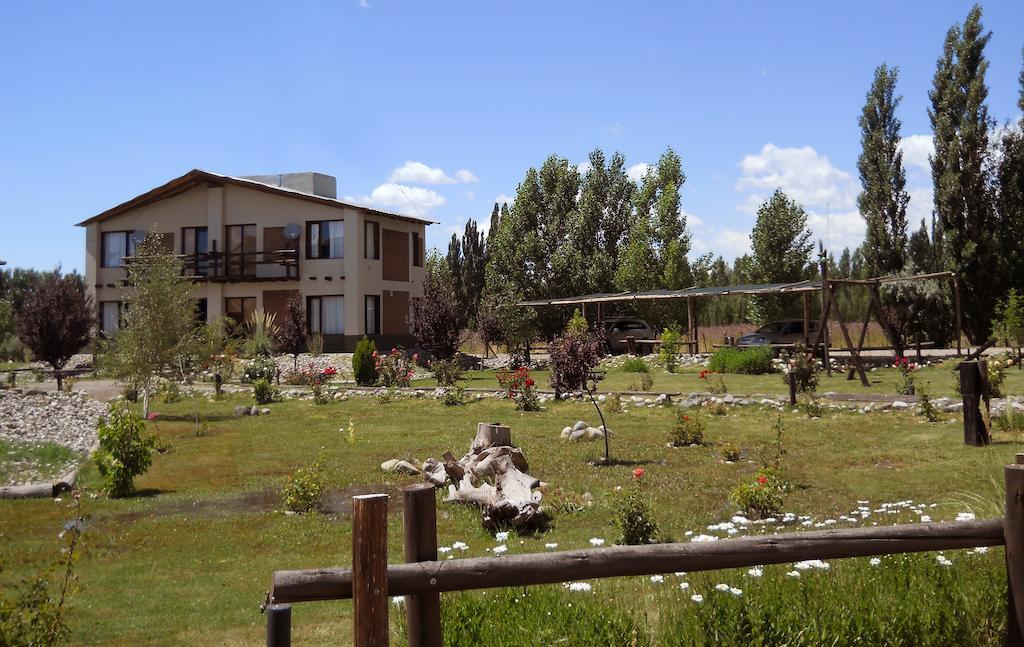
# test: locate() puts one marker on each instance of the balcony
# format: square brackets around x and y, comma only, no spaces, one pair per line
[239,267]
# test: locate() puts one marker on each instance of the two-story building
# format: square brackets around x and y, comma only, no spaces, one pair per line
[251,243]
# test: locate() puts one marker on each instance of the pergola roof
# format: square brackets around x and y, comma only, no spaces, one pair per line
[652,295]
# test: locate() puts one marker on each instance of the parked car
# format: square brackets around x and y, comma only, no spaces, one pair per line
[619,328]
[786,331]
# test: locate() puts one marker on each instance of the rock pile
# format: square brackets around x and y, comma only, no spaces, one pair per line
[28,416]
[583,431]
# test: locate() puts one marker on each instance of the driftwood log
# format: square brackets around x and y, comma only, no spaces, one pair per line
[492,476]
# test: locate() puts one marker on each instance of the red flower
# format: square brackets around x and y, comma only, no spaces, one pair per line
[686,418]
[762,479]
[529,381]
[638,473]
[152,416]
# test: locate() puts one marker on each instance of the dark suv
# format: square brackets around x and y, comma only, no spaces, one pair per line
[618,329]
[786,331]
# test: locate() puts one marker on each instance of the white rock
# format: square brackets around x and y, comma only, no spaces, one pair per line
[579,425]
[566,432]
[900,404]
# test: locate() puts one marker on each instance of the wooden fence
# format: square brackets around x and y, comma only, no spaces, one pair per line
[422,579]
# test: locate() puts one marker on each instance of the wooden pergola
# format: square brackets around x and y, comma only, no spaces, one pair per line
[826,287]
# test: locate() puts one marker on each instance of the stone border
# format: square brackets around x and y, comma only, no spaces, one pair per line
[45,490]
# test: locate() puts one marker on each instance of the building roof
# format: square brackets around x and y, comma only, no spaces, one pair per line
[198,177]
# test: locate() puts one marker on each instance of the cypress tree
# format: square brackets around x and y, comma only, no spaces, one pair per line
[1010,176]
[960,124]
[883,199]
[781,246]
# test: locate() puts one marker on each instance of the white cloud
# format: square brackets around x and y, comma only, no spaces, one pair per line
[916,149]
[583,168]
[920,206]
[732,242]
[692,220]
[804,175]
[406,199]
[837,229]
[637,171]
[469,195]
[614,128]
[420,173]
[502,199]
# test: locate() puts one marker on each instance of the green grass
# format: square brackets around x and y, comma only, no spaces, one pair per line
[190,559]
[48,459]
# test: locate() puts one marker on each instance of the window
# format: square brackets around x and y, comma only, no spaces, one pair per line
[417,256]
[110,317]
[195,245]
[116,245]
[240,308]
[372,240]
[241,250]
[326,239]
[201,311]
[372,314]
[326,314]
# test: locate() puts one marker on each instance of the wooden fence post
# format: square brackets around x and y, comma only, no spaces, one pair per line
[370,570]
[1013,531]
[422,611]
[279,625]
[792,388]
[974,390]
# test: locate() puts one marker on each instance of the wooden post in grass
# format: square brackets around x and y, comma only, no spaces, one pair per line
[1013,530]
[792,388]
[422,611]
[974,390]
[279,625]
[370,570]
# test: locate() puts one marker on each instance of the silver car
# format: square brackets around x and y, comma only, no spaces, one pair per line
[618,329]
[786,331]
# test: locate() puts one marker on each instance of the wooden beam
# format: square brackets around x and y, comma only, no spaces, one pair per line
[422,612]
[1013,530]
[627,561]
[370,570]
[863,335]
[806,296]
[854,354]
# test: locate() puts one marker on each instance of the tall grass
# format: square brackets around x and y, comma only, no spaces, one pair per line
[755,360]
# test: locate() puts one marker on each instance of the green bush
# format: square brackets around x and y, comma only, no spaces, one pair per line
[170,392]
[671,342]
[814,408]
[124,452]
[305,489]
[446,371]
[454,397]
[264,392]
[731,452]
[633,515]
[364,365]
[635,365]
[755,360]
[688,430]
[261,368]
[321,394]
[760,499]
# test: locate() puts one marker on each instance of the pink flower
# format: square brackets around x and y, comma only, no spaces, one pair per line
[638,473]
[152,416]
[762,479]
[416,357]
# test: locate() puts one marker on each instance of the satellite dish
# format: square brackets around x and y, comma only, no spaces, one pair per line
[292,231]
[138,236]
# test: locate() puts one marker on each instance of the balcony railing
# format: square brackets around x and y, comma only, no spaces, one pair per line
[231,267]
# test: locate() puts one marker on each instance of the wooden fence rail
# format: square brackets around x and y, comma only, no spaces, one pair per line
[423,579]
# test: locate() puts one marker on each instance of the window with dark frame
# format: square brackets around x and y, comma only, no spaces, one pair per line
[417,255]
[325,314]
[195,244]
[241,250]
[115,246]
[325,239]
[372,308]
[239,308]
[372,250]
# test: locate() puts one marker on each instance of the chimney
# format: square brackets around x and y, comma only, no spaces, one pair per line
[325,186]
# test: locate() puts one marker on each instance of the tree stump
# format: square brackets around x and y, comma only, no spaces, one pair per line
[975,392]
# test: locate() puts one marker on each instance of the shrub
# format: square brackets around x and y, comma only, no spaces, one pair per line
[124,452]
[264,392]
[668,352]
[905,385]
[996,375]
[261,368]
[688,430]
[262,327]
[716,408]
[715,385]
[761,498]
[309,376]
[454,397]
[315,344]
[321,394]
[574,354]
[387,396]
[731,452]
[801,368]
[290,336]
[755,360]
[613,403]
[520,389]
[814,408]
[394,369]
[645,383]
[633,515]
[446,371]
[170,392]
[363,362]
[438,318]
[305,488]
[633,364]
[927,409]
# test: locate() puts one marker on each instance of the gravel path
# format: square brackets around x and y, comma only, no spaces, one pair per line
[31,416]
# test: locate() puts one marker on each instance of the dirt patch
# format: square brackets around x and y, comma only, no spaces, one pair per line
[340,501]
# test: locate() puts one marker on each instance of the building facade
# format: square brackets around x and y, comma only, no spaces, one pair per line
[252,243]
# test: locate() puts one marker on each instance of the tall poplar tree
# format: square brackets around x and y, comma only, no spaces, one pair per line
[1010,175]
[960,171]
[781,246]
[883,198]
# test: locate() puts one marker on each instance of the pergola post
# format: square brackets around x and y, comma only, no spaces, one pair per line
[692,321]
[807,318]
[825,302]
[959,316]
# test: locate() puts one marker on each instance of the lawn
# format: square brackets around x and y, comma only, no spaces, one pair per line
[41,461]
[190,559]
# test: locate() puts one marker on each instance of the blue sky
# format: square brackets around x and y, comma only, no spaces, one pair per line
[100,102]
